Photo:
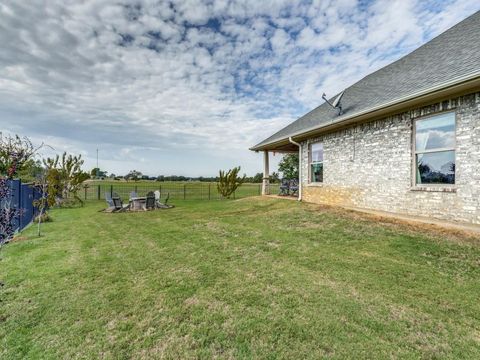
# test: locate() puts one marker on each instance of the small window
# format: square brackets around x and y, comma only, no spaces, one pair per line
[316,162]
[435,150]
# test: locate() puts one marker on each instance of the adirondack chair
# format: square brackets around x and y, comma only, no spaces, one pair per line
[294,187]
[108,198]
[284,187]
[150,201]
[163,205]
[118,204]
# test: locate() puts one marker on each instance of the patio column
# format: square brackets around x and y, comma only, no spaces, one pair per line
[266,175]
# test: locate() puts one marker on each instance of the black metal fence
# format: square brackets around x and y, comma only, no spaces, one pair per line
[175,190]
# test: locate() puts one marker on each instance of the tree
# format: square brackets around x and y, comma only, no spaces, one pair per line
[96,173]
[133,175]
[274,177]
[288,166]
[41,204]
[229,181]
[30,171]
[65,177]
[258,178]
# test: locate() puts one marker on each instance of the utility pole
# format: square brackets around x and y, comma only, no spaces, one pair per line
[98,170]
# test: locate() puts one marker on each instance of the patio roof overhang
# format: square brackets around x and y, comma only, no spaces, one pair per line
[459,87]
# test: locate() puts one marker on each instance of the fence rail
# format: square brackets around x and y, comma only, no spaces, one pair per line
[175,190]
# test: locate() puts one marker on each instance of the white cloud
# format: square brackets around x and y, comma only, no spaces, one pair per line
[189,85]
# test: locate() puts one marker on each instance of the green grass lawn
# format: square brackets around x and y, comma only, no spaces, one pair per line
[252,278]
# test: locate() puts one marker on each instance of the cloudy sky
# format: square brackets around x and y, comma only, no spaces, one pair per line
[185,87]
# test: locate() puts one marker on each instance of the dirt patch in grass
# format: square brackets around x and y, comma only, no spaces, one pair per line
[19,238]
[410,227]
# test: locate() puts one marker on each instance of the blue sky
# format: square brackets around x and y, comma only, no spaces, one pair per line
[185,87]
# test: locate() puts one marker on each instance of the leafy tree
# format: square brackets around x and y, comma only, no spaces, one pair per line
[258,178]
[30,171]
[288,166]
[96,173]
[54,185]
[65,177]
[229,181]
[274,177]
[133,175]
[15,154]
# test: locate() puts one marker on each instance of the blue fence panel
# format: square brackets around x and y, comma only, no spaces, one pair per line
[16,187]
[27,205]
[23,197]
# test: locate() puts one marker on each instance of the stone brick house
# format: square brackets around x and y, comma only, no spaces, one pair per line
[406,139]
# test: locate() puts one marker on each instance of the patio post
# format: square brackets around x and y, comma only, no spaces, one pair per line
[266,174]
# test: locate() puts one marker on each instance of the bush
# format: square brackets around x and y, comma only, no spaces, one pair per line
[229,181]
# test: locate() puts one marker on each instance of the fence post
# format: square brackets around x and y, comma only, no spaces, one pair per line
[111,191]
[259,189]
[160,189]
[85,190]
[184,191]
[209,190]
[98,192]
[136,188]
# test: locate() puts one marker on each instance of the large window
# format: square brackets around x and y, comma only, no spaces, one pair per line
[316,162]
[435,149]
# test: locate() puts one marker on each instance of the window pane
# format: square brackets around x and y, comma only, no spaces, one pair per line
[316,171]
[317,152]
[436,168]
[435,132]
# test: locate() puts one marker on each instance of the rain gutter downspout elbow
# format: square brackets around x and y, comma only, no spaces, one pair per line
[299,167]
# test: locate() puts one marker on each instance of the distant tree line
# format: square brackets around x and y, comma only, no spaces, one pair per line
[135,175]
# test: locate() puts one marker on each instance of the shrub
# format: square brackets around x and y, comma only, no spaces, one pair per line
[229,181]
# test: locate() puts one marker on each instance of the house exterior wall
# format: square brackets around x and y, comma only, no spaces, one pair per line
[370,166]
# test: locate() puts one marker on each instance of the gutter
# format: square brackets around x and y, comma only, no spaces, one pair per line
[299,167]
[457,82]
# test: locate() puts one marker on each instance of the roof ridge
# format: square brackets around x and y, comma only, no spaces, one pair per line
[452,54]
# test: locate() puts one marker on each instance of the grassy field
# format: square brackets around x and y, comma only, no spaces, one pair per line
[177,190]
[251,278]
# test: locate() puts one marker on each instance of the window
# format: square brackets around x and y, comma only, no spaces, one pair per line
[435,150]
[316,162]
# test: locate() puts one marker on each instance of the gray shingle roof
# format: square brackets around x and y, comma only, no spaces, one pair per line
[452,54]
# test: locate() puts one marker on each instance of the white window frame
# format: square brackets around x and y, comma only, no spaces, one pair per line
[310,162]
[438,150]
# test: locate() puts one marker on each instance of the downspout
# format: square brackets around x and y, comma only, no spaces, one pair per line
[299,167]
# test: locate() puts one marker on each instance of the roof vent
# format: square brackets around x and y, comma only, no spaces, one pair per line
[336,103]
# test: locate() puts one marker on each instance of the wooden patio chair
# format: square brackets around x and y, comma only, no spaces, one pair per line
[294,187]
[150,203]
[108,199]
[284,188]
[119,205]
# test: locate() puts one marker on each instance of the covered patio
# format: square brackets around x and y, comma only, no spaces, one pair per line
[283,147]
